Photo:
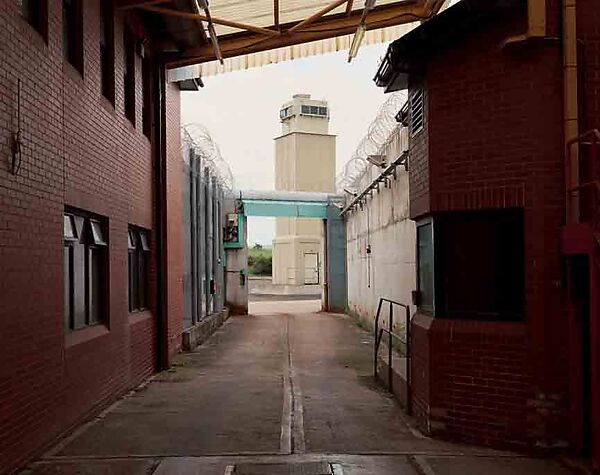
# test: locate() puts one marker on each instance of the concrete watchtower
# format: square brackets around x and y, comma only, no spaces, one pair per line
[304,161]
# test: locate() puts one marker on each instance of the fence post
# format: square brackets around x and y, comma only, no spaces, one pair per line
[376,345]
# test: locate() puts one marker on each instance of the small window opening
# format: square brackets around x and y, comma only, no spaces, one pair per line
[107,51]
[35,12]
[72,16]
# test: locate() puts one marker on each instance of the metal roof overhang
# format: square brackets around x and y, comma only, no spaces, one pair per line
[408,55]
[242,27]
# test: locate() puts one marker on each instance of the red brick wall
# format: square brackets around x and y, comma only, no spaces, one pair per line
[495,140]
[78,151]
[420,370]
[419,179]
[588,29]
[174,221]
[472,381]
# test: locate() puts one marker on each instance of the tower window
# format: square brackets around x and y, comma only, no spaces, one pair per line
[314,110]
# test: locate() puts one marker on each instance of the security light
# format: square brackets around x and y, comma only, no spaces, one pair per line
[356,41]
[361,30]
[352,193]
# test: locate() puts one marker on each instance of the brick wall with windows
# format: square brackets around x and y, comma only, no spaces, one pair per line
[174,213]
[80,156]
[495,142]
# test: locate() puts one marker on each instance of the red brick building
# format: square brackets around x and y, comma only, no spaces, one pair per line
[90,279]
[504,345]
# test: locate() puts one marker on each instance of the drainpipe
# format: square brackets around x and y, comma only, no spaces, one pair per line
[160,213]
[571,108]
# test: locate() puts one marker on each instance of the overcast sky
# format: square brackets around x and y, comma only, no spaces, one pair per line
[241,111]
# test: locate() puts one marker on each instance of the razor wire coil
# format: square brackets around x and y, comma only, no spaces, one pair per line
[198,138]
[380,133]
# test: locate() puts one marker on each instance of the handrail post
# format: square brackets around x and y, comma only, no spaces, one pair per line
[376,344]
[390,328]
[408,360]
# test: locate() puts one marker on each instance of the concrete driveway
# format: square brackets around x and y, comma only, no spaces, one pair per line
[286,390]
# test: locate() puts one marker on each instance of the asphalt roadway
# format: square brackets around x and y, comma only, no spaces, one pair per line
[285,390]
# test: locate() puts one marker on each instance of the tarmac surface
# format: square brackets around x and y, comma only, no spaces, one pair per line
[285,390]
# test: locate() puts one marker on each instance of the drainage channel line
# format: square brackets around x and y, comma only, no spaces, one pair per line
[285,440]
[292,419]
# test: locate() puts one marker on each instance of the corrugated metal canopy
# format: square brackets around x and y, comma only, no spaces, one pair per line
[233,28]
[304,50]
[261,12]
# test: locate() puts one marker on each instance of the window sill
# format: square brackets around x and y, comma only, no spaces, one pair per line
[83,335]
[37,38]
[138,316]
[107,104]
[72,72]
[130,124]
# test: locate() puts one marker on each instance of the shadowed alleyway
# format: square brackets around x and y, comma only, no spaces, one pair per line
[284,385]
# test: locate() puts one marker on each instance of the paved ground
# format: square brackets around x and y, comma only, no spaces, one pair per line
[283,388]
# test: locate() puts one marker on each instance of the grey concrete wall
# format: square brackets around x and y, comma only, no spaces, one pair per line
[336,295]
[203,253]
[263,285]
[236,261]
[383,224]
[186,222]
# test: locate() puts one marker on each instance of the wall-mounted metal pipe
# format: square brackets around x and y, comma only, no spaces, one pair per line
[160,211]
[570,106]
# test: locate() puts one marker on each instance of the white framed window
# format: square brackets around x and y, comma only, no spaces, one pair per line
[85,254]
[138,256]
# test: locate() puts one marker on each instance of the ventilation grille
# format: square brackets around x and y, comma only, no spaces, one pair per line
[417,112]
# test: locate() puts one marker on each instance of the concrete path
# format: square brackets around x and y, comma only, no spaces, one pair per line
[283,391]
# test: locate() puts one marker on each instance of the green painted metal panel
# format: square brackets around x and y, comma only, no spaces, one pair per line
[286,209]
[337,297]
[241,238]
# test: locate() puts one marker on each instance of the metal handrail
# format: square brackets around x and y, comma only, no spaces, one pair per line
[391,335]
[382,177]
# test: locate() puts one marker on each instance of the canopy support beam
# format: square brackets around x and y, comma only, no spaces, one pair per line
[326,27]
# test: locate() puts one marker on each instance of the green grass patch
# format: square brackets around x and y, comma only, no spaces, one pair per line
[359,321]
[260,260]
[260,253]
